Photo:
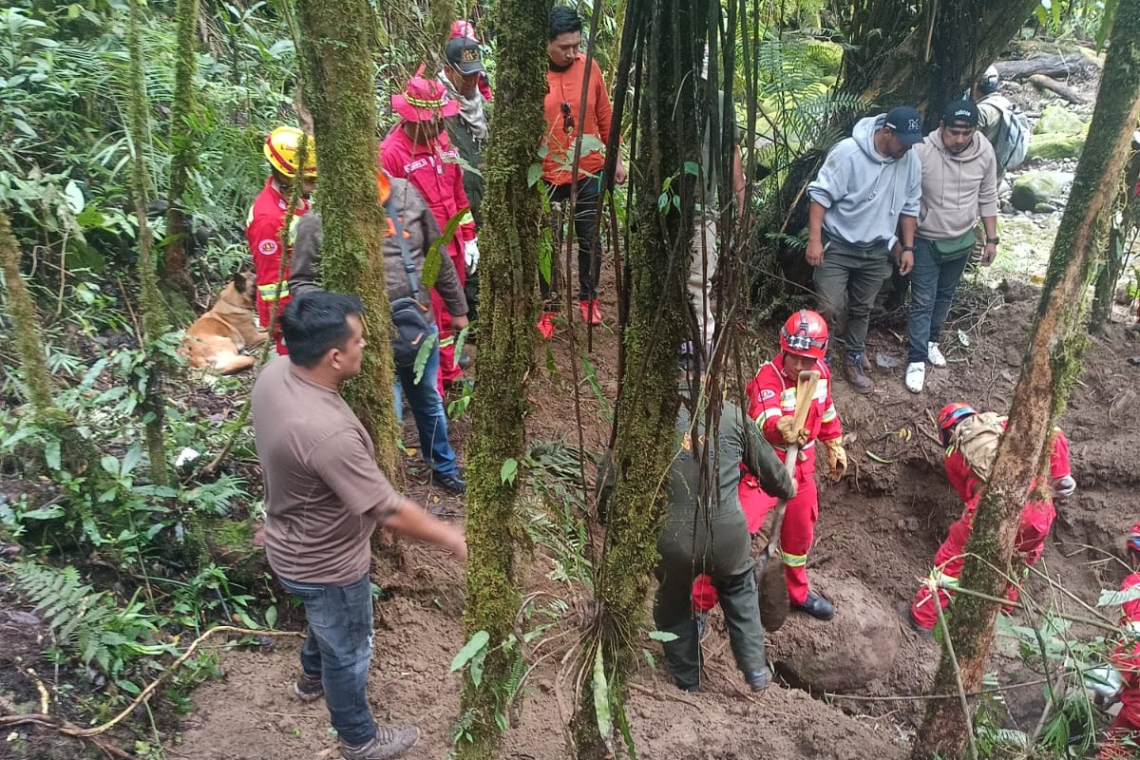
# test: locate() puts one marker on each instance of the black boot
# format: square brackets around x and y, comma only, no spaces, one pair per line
[818,607]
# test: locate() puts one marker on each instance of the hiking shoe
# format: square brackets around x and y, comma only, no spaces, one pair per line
[816,606]
[866,362]
[546,325]
[591,314]
[758,680]
[854,374]
[452,482]
[908,615]
[915,376]
[308,688]
[388,743]
[690,687]
[934,355]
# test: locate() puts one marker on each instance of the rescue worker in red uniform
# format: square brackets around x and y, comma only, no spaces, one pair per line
[1123,740]
[772,405]
[267,218]
[1036,517]
[418,150]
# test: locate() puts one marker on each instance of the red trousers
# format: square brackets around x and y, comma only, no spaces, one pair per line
[263,313]
[1036,520]
[795,537]
[1123,738]
[449,369]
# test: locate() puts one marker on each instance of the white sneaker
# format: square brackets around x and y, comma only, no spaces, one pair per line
[915,376]
[934,355]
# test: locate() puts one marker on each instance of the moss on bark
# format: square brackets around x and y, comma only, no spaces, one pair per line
[154,320]
[645,414]
[175,269]
[509,271]
[1049,370]
[338,88]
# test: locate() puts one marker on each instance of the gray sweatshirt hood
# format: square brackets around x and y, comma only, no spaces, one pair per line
[865,193]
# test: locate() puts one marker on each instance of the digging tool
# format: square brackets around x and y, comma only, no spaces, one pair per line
[772,586]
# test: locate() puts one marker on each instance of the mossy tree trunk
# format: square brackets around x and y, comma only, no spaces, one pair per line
[509,269]
[175,267]
[645,414]
[338,90]
[1122,230]
[1049,371]
[154,322]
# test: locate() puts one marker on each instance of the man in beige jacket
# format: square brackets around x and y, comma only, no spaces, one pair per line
[959,184]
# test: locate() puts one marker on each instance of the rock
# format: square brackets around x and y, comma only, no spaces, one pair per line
[1036,187]
[844,654]
[1055,147]
[1058,120]
[1044,208]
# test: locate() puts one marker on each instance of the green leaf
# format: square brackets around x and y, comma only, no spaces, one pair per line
[460,341]
[602,699]
[477,666]
[422,357]
[1110,597]
[47,513]
[110,465]
[271,616]
[52,454]
[131,459]
[663,636]
[474,645]
[508,471]
[74,197]
[692,168]
[533,175]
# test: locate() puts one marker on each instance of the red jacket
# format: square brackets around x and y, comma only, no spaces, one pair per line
[771,395]
[1126,658]
[263,235]
[566,87]
[434,171]
[969,486]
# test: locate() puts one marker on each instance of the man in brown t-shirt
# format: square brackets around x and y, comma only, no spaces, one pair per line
[324,495]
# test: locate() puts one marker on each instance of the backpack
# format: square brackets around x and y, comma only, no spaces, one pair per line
[977,437]
[1011,142]
[409,317]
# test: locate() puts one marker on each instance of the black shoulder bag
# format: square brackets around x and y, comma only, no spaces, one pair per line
[409,316]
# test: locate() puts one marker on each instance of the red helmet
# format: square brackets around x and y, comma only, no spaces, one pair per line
[805,334]
[950,416]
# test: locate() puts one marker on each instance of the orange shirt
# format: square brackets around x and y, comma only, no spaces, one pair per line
[566,87]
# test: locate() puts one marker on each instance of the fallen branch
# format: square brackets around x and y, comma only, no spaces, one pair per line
[1062,66]
[1043,82]
[70,729]
[933,585]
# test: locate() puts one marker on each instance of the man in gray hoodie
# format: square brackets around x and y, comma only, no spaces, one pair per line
[959,184]
[869,186]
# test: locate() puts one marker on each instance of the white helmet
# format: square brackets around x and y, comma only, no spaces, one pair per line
[989,81]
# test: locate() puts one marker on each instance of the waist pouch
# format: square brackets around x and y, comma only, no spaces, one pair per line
[954,248]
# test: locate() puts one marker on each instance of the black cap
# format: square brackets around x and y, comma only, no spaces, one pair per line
[464,55]
[906,123]
[960,113]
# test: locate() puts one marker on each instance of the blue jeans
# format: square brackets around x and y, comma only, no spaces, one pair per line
[427,408]
[338,648]
[932,286]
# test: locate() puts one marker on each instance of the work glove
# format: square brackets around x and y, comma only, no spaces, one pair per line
[836,459]
[1102,685]
[786,427]
[1064,486]
[471,254]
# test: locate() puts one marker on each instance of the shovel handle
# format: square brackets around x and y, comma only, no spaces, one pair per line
[805,391]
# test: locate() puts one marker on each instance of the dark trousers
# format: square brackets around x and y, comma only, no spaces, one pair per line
[585,234]
[719,547]
[932,286]
[846,283]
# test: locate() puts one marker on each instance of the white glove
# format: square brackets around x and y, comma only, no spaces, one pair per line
[471,254]
[1065,486]
[1103,684]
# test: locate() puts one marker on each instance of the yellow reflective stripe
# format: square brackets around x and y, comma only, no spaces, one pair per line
[944,580]
[467,218]
[269,292]
[830,414]
[767,414]
[794,560]
[448,341]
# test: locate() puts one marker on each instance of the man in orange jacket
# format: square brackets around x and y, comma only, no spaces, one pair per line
[566,118]
[267,218]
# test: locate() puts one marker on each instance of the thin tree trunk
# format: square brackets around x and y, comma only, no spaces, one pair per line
[175,268]
[646,409]
[154,321]
[339,71]
[1049,371]
[1121,233]
[509,271]
[25,325]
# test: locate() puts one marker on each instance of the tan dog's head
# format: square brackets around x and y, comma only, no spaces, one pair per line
[245,287]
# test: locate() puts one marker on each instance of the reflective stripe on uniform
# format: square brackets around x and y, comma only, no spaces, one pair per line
[830,414]
[794,560]
[448,341]
[269,292]
[945,581]
[1132,626]
[467,218]
[768,414]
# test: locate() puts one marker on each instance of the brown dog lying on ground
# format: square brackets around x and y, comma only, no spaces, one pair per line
[216,339]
